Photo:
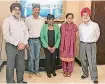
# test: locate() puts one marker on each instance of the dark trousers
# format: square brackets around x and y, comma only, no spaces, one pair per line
[50,64]
[15,58]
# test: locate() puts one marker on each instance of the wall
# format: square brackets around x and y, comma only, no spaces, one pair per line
[71,6]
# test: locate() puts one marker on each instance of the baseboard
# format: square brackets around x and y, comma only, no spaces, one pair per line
[41,64]
[2,65]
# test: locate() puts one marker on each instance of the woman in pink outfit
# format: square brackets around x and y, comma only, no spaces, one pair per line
[67,46]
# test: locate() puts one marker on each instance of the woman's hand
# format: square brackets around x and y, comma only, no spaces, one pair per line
[49,48]
[53,49]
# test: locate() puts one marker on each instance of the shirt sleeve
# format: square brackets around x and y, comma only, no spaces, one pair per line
[43,22]
[42,37]
[26,34]
[76,28]
[27,25]
[6,33]
[97,32]
[58,37]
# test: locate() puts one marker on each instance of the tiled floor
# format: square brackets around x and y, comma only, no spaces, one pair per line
[75,77]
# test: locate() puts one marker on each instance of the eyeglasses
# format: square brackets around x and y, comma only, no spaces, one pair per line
[16,9]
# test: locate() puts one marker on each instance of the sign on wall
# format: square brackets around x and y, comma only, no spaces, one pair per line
[54,7]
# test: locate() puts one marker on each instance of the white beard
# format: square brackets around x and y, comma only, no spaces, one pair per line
[17,16]
[86,20]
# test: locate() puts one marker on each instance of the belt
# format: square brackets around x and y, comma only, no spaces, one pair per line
[35,38]
[88,42]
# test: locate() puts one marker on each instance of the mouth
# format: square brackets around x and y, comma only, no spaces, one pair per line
[85,18]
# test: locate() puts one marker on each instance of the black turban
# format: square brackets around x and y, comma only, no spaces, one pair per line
[15,5]
[49,16]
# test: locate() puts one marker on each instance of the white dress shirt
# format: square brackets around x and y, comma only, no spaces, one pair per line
[15,31]
[89,32]
[34,26]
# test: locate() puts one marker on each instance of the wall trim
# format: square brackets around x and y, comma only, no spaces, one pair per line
[59,66]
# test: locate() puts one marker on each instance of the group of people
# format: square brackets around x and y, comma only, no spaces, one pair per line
[33,33]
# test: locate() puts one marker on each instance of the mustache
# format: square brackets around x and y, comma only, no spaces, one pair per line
[16,16]
[85,18]
[37,12]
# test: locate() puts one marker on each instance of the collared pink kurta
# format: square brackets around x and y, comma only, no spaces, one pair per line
[68,40]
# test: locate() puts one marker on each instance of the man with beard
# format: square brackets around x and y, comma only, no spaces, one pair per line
[34,24]
[89,34]
[16,35]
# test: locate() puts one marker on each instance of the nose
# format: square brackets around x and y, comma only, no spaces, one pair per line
[37,11]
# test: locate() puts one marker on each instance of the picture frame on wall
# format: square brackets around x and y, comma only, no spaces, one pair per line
[55,7]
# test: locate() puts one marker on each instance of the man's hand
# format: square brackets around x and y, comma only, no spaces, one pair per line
[27,46]
[21,46]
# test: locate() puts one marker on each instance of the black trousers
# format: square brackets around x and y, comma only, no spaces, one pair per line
[50,64]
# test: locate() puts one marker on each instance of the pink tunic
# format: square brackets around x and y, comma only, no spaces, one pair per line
[68,40]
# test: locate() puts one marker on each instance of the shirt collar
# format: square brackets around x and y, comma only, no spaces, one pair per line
[38,17]
[15,18]
[88,23]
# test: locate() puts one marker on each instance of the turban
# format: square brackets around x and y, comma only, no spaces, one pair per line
[86,10]
[15,5]
[35,5]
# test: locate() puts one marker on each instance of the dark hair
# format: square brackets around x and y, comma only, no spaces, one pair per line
[15,5]
[49,16]
[69,14]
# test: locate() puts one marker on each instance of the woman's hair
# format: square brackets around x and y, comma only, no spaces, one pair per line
[69,14]
[49,16]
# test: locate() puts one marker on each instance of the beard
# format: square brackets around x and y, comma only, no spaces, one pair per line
[86,19]
[16,15]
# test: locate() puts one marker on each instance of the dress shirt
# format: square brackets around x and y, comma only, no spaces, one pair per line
[34,26]
[89,32]
[15,31]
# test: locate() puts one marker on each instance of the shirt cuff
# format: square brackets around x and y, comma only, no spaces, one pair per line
[15,43]
[25,42]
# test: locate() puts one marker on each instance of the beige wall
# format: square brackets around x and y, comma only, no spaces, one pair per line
[71,6]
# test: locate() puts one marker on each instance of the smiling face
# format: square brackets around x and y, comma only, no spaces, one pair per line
[50,21]
[36,11]
[69,19]
[85,17]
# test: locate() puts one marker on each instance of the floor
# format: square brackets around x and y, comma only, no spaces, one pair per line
[75,77]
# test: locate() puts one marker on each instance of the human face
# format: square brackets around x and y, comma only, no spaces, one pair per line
[36,11]
[50,21]
[85,17]
[69,19]
[16,12]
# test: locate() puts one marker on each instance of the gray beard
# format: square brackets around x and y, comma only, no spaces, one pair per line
[17,17]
